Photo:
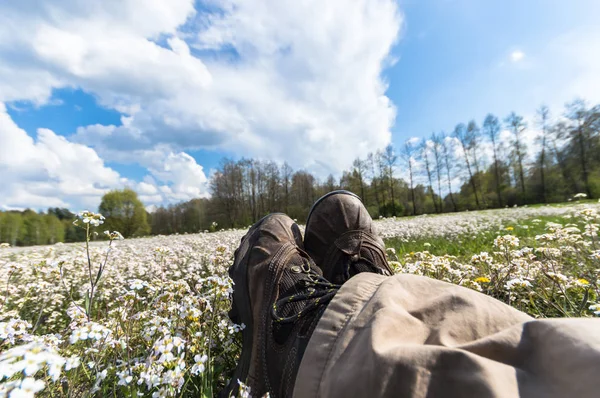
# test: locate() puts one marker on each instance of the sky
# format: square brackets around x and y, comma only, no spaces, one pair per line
[152,94]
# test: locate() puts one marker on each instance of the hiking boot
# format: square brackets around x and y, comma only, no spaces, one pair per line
[341,238]
[279,294]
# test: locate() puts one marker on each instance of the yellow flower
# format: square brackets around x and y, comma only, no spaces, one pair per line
[412,253]
[509,228]
[482,279]
[583,281]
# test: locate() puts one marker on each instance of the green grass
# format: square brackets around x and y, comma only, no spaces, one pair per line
[466,245]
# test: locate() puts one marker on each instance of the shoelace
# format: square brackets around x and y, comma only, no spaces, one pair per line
[318,290]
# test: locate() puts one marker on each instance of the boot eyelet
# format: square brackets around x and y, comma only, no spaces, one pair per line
[295,269]
[310,290]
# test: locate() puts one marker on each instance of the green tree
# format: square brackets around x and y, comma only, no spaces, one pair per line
[36,229]
[11,228]
[55,228]
[124,212]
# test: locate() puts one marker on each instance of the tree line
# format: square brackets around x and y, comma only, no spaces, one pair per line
[26,228]
[474,166]
[122,209]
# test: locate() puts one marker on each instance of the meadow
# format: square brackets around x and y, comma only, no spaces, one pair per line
[148,316]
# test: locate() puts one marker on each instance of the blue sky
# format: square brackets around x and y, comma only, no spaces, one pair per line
[158,99]
[454,60]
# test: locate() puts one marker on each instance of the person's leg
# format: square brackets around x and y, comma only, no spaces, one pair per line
[279,294]
[417,337]
[412,336]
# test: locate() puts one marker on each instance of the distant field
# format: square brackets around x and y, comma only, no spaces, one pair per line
[157,323]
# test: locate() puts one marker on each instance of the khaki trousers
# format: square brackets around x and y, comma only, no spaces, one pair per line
[411,336]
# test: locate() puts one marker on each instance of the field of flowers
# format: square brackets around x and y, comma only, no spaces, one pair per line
[148,317]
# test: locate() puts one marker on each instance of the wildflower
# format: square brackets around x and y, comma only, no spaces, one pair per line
[92,218]
[517,283]
[482,279]
[579,195]
[124,378]
[244,391]
[587,214]
[136,284]
[28,387]
[505,242]
[114,235]
[79,335]
[13,330]
[509,228]
[72,362]
[583,281]
[557,277]
[199,364]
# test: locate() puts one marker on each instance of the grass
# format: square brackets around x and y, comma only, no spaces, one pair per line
[464,246]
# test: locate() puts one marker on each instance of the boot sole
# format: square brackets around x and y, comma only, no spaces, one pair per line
[240,307]
[322,198]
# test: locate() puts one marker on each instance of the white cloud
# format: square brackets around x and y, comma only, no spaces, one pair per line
[517,56]
[285,80]
[52,171]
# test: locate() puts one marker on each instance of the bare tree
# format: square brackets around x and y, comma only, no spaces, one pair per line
[491,127]
[286,176]
[460,133]
[330,183]
[408,152]
[557,135]
[584,125]
[447,152]
[360,168]
[390,158]
[371,161]
[425,149]
[543,121]
[517,126]
[437,154]
[474,135]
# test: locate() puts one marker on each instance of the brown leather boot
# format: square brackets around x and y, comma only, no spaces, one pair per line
[341,238]
[279,294]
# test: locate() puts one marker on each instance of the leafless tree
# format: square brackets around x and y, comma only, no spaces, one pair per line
[491,127]
[461,134]
[425,150]
[543,114]
[389,157]
[517,127]
[447,152]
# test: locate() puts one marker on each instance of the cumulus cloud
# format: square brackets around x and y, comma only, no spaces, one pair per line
[51,171]
[285,72]
[284,80]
